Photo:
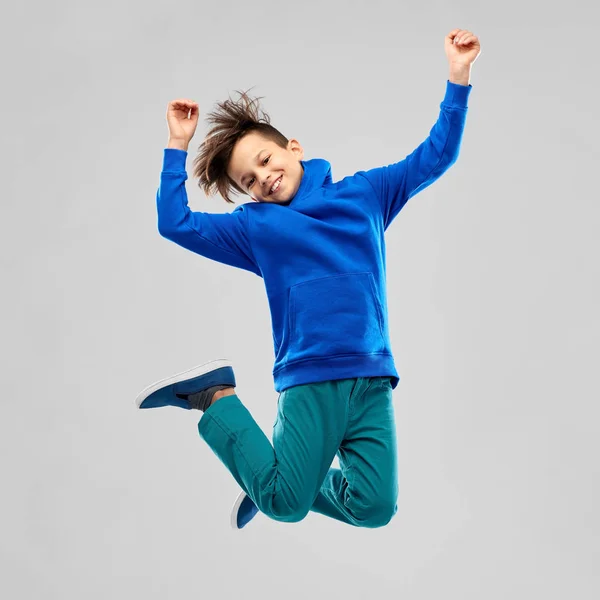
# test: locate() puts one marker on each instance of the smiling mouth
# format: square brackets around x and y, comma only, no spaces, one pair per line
[276,186]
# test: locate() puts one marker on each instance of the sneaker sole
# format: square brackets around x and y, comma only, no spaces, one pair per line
[185,375]
[235,509]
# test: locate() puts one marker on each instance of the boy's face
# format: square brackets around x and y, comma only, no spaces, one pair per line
[256,164]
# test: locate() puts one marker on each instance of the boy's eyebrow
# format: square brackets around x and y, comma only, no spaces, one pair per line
[255,159]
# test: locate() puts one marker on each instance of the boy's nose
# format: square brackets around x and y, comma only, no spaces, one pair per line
[268,182]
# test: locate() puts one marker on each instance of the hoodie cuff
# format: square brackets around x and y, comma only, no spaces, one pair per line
[457,95]
[174,159]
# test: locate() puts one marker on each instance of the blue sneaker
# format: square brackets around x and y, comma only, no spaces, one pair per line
[243,511]
[173,391]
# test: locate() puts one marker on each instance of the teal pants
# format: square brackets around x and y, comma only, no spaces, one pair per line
[353,418]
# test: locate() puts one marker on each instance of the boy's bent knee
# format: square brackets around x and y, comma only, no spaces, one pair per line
[288,515]
[376,515]
[287,512]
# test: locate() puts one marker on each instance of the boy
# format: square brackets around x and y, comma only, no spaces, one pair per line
[319,246]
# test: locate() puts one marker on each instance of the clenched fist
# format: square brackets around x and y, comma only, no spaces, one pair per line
[462,47]
[182,119]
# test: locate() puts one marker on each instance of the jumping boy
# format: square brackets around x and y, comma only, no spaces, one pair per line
[319,246]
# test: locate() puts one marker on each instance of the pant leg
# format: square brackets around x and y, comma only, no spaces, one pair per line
[282,479]
[364,491]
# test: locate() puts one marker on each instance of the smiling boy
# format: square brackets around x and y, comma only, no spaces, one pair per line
[279,184]
[319,247]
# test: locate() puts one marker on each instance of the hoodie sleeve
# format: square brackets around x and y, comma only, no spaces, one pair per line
[220,237]
[395,184]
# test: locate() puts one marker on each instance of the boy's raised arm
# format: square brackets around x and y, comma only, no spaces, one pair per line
[395,184]
[220,237]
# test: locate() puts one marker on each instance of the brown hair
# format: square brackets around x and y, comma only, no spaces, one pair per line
[231,121]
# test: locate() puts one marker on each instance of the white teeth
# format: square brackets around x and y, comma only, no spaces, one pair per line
[276,186]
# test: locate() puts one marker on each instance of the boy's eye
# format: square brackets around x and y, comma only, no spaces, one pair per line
[252,180]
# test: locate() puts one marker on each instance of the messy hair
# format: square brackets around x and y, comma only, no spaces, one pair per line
[231,120]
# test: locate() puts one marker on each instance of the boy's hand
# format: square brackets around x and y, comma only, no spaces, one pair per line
[462,47]
[182,119]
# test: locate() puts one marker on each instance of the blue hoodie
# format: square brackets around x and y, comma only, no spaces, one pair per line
[321,256]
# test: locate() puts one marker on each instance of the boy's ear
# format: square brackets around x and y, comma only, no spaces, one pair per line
[295,147]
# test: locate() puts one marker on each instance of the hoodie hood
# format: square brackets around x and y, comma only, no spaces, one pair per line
[317,173]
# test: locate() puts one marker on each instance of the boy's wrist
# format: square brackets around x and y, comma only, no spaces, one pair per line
[460,74]
[178,144]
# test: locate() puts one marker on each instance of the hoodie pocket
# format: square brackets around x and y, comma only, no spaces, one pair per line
[336,315]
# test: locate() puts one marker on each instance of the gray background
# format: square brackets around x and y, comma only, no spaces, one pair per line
[493,286]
